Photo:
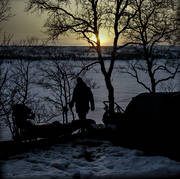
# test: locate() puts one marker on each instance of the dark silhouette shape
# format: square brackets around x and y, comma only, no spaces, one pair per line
[150,123]
[21,114]
[158,111]
[82,96]
[25,129]
[112,118]
[153,119]
[157,108]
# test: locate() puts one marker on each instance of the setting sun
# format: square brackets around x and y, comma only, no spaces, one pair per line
[102,37]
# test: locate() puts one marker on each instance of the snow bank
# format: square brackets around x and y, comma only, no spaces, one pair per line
[88,159]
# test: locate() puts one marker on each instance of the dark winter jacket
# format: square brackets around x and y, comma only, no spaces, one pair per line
[82,96]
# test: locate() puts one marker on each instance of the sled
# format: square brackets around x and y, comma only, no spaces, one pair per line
[26,130]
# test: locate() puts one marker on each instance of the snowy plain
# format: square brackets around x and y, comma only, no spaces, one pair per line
[97,159]
[77,159]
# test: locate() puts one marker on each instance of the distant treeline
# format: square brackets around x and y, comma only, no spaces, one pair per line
[81,52]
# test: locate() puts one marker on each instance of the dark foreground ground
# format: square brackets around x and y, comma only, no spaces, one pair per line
[9,149]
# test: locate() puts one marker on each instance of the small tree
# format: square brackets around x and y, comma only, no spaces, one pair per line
[5,97]
[86,19]
[5,10]
[57,80]
[19,89]
[6,39]
[22,81]
[5,14]
[31,41]
[154,24]
[178,20]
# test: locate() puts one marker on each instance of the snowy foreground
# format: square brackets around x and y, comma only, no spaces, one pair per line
[88,159]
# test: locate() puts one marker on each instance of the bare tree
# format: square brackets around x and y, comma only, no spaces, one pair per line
[32,41]
[5,102]
[5,10]
[20,90]
[6,39]
[154,25]
[57,79]
[86,19]
[4,95]
[18,87]
[5,14]
[7,94]
[178,20]
[21,81]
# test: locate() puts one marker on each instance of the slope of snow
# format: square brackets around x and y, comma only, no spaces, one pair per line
[88,159]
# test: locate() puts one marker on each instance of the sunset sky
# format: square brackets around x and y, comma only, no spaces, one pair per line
[26,25]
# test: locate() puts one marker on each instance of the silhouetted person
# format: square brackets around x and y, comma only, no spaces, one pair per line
[82,96]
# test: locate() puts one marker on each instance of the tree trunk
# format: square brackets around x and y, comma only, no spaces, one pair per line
[109,86]
[153,85]
[110,93]
[107,75]
[151,75]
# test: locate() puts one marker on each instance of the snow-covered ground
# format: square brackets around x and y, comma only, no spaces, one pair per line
[88,159]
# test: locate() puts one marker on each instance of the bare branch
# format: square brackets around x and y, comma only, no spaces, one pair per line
[5,10]
[171,74]
[87,68]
